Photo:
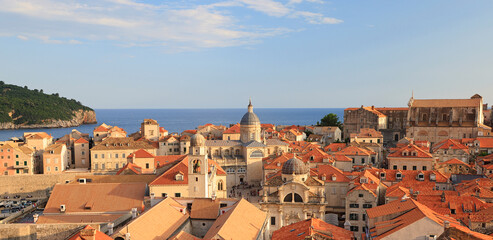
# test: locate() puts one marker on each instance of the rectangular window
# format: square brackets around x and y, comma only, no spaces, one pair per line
[354,205]
[102,155]
[424,168]
[83,153]
[17,171]
[273,221]
[354,228]
[415,168]
[56,169]
[95,156]
[363,217]
[102,166]
[116,165]
[353,216]
[177,194]
[17,163]
[95,166]
[362,161]
[360,195]
[5,164]
[48,169]
[123,155]
[404,167]
[147,165]
[116,155]
[367,205]
[395,167]
[16,156]
[164,195]
[25,163]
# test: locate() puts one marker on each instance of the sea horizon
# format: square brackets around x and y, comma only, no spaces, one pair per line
[176,120]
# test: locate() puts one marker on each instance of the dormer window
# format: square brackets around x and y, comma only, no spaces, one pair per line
[382,175]
[398,176]
[334,177]
[404,153]
[433,177]
[324,178]
[363,180]
[415,153]
[311,158]
[179,177]
[421,177]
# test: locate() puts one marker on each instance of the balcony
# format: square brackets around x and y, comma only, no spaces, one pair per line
[21,167]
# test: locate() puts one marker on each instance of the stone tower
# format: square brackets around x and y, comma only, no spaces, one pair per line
[250,126]
[198,168]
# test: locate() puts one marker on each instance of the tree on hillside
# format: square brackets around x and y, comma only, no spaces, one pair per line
[330,119]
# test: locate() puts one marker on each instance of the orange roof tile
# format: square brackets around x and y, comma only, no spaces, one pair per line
[81,140]
[132,167]
[408,151]
[141,153]
[312,227]
[89,233]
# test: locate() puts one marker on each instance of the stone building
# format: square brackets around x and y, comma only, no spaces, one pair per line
[150,130]
[450,149]
[411,157]
[81,153]
[292,195]
[435,120]
[15,159]
[111,154]
[242,159]
[390,121]
[55,159]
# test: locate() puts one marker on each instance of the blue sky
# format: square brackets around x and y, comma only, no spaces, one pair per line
[293,53]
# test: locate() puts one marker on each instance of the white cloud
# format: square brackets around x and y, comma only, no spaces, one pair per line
[316,18]
[130,23]
[21,37]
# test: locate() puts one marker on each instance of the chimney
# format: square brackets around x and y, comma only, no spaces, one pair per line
[35,216]
[62,208]
[127,236]
[134,213]
[110,228]
[88,234]
[152,196]
[446,225]
[372,107]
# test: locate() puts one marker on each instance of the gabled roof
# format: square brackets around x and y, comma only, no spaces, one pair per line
[367,133]
[131,167]
[311,227]
[450,144]
[164,160]
[483,216]
[408,211]
[96,197]
[89,233]
[37,135]
[480,187]
[409,149]
[205,208]
[355,151]
[81,140]
[334,147]
[474,102]
[141,153]
[329,171]
[235,129]
[455,161]
[159,222]
[169,176]
[122,143]
[485,142]
[243,219]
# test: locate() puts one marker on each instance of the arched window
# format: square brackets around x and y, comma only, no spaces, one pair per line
[196,166]
[289,198]
[220,185]
[256,154]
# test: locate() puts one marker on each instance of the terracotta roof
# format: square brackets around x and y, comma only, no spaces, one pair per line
[115,178]
[355,151]
[427,103]
[329,171]
[56,148]
[159,222]
[122,143]
[243,214]
[334,147]
[78,218]
[367,133]
[480,187]
[37,135]
[169,176]
[161,129]
[235,129]
[164,160]
[182,235]
[81,140]
[131,167]
[102,197]
[455,161]
[205,208]
[219,169]
[483,216]
[141,153]
[485,142]
[409,150]
[101,128]
[403,213]
[450,144]
[89,233]
[312,227]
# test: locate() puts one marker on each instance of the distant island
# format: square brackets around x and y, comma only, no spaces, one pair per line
[21,107]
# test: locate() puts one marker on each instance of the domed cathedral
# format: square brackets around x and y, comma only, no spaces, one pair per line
[242,159]
[250,126]
[293,195]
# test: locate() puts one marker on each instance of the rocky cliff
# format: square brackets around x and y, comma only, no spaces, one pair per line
[80,117]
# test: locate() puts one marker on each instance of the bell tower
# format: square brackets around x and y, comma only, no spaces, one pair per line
[198,168]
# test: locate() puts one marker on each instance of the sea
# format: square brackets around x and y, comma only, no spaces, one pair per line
[178,120]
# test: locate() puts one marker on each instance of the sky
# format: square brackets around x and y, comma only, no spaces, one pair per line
[218,54]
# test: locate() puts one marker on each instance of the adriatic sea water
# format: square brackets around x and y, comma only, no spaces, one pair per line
[178,120]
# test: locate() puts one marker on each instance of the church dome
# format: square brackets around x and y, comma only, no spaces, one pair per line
[250,118]
[295,166]
[197,140]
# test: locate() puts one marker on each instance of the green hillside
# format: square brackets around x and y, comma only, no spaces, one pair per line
[33,106]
